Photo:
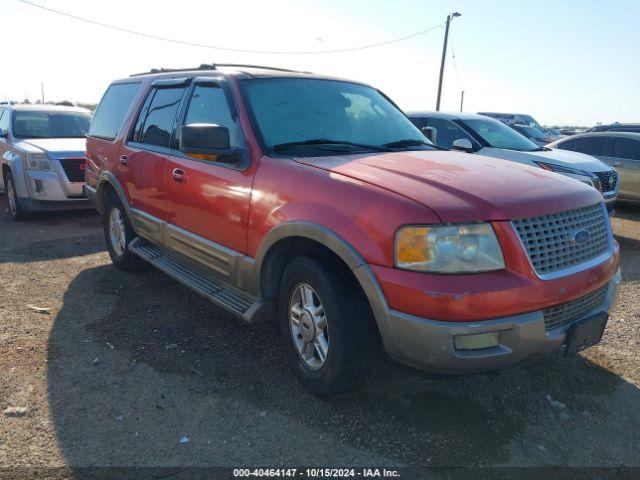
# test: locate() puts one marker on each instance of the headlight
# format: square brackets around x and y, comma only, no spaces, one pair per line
[37,161]
[448,249]
[580,175]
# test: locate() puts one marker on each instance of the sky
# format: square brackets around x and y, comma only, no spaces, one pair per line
[569,62]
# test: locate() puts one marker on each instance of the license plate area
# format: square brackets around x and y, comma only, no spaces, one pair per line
[585,333]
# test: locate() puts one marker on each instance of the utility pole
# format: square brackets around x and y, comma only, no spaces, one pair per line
[461,100]
[42,91]
[444,54]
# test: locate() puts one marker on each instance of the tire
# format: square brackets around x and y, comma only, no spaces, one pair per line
[116,226]
[345,330]
[15,209]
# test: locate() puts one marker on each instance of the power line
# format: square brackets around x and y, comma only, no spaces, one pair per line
[236,50]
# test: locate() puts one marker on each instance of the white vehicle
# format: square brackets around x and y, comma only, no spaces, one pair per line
[42,157]
[474,133]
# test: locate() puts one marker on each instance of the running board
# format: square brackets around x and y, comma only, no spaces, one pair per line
[196,278]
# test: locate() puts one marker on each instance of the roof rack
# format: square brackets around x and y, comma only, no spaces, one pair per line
[213,66]
[204,66]
[277,69]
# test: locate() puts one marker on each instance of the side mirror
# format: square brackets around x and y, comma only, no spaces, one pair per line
[4,133]
[431,133]
[204,139]
[463,144]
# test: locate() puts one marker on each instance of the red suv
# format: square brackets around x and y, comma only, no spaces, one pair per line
[314,200]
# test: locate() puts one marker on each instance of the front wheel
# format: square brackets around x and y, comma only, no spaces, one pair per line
[329,336]
[15,209]
[118,233]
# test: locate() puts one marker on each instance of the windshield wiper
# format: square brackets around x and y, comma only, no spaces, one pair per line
[324,142]
[411,142]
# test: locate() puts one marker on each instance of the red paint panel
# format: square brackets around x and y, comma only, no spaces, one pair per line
[485,296]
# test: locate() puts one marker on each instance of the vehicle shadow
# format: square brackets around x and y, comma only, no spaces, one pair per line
[137,361]
[69,234]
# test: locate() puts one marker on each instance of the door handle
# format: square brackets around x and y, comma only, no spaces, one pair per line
[124,160]
[178,175]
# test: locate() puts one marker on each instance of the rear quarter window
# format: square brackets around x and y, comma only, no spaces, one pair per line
[110,114]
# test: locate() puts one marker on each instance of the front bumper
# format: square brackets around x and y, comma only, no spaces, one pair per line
[31,205]
[428,344]
[610,200]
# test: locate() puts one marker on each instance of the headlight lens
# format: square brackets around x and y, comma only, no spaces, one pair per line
[37,161]
[448,249]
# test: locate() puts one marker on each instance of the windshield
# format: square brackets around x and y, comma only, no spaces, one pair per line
[531,132]
[496,134]
[43,124]
[289,112]
[529,120]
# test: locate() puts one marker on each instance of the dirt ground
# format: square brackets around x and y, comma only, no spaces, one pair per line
[125,365]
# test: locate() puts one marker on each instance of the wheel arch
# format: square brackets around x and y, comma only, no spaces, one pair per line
[294,238]
[108,181]
[6,169]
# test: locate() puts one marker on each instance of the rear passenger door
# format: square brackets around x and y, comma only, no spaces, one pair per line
[145,156]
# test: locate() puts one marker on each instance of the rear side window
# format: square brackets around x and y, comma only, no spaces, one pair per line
[109,115]
[625,148]
[568,145]
[157,118]
[590,145]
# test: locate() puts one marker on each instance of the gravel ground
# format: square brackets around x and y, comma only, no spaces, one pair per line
[124,366]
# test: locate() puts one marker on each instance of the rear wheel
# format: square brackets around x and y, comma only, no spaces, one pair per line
[329,336]
[118,234]
[15,210]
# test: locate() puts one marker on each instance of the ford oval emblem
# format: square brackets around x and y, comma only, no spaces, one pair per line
[580,236]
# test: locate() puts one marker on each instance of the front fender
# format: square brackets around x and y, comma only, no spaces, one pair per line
[15,163]
[338,245]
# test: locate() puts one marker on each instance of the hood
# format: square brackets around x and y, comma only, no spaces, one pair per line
[57,148]
[460,187]
[565,158]
[571,159]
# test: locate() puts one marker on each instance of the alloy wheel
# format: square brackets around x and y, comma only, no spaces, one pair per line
[308,324]
[117,231]
[11,195]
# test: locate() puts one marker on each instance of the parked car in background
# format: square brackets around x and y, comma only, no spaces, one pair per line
[479,134]
[315,201]
[554,133]
[514,118]
[617,127]
[618,149]
[537,136]
[42,155]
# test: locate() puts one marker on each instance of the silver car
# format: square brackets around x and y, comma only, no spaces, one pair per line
[42,155]
[482,135]
[621,150]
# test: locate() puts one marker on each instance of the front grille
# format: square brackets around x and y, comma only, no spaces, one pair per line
[608,180]
[73,168]
[566,313]
[558,241]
